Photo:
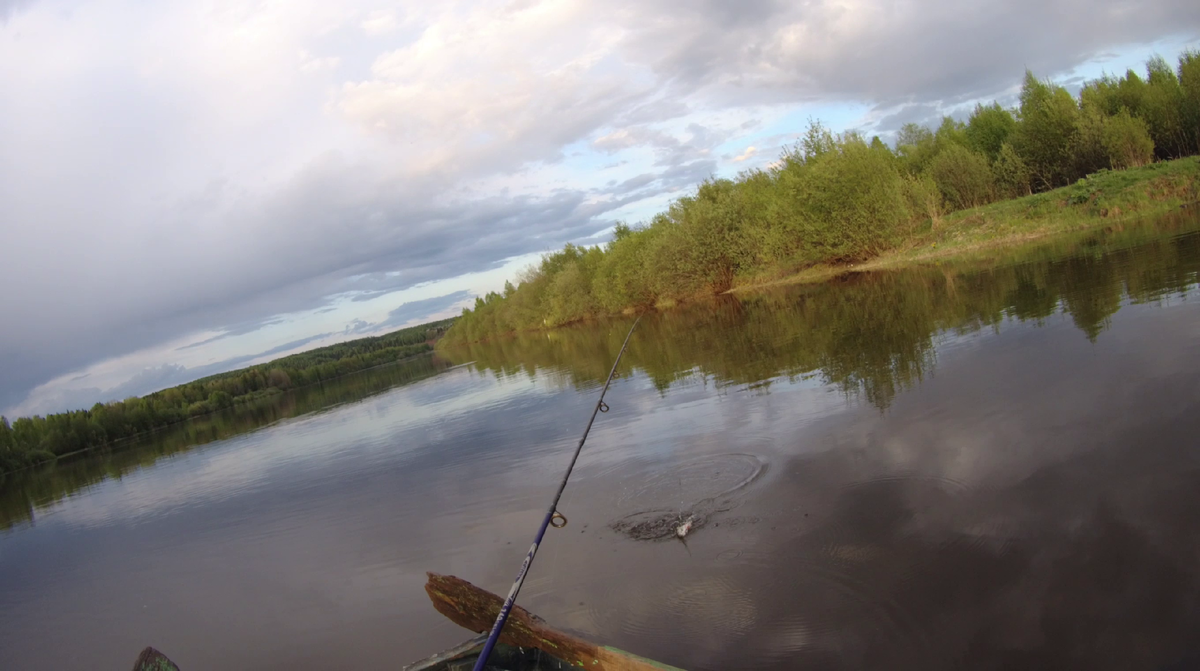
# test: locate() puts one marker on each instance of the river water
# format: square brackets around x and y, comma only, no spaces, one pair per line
[985,463]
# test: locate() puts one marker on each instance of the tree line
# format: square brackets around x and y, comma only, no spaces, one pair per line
[31,440]
[23,492]
[871,335]
[839,197]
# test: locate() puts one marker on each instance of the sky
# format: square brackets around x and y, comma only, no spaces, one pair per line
[188,187]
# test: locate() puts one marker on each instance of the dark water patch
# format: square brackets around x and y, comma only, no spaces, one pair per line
[916,501]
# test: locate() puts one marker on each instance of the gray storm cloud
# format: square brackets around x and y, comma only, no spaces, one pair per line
[10,7]
[161,176]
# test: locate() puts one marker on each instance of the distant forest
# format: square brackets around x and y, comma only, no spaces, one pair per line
[32,440]
[835,198]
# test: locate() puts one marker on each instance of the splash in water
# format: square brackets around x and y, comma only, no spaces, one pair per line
[732,473]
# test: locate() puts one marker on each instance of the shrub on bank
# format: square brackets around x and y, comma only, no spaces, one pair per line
[1127,141]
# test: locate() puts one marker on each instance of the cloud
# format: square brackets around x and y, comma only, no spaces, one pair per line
[287,347]
[235,330]
[617,140]
[688,174]
[928,115]
[697,141]
[891,52]
[149,380]
[414,310]
[145,381]
[636,182]
[310,64]
[156,378]
[234,363]
[357,327]
[750,151]
[10,7]
[380,22]
[172,171]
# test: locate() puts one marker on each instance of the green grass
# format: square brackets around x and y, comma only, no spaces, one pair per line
[1103,199]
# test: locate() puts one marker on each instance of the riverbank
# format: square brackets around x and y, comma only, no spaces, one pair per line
[1107,198]
[30,441]
[1103,199]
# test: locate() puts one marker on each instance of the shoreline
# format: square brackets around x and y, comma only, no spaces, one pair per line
[1111,198]
[241,401]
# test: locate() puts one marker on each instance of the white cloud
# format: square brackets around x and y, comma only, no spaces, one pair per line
[380,22]
[310,63]
[495,86]
[616,141]
[750,151]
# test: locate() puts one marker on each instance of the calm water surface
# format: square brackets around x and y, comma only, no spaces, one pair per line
[972,465]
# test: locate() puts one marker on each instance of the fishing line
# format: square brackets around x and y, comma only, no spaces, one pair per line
[553,517]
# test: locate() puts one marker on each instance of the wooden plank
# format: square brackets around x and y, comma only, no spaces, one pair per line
[476,609]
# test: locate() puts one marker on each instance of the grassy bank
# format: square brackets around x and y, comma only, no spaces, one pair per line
[1101,199]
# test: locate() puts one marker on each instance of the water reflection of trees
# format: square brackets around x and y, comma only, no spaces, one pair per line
[22,493]
[870,334]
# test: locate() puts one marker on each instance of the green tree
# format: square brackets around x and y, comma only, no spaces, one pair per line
[623,279]
[1046,132]
[1163,110]
[817,141]
[220,399]
[916,147]
[924,198]
[1127,141]
[963,177]
[569,298]
[278,378]
[1189,84]
[701,248]
[849,203]
[1110,94]
[989,128]
[1011,173]
[951,132]
[1089,147]
[714,231]
[770,236]
[9,459]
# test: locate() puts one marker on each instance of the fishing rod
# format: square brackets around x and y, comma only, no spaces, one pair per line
[553,517]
